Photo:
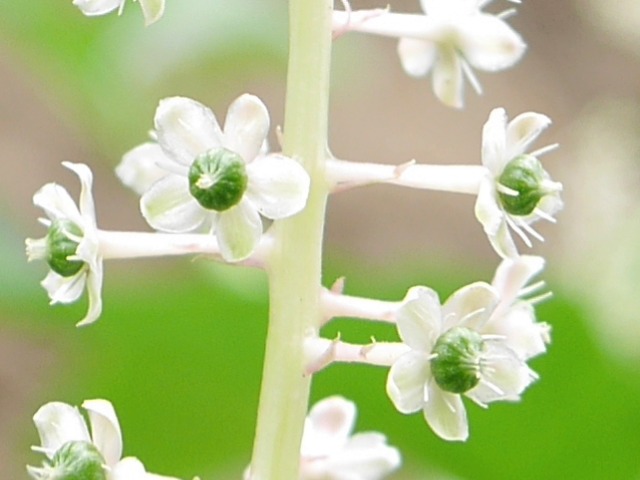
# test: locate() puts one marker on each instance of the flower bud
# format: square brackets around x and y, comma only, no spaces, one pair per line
[218,179]
[525,175]
[75,460]
[456,365]
[60,245]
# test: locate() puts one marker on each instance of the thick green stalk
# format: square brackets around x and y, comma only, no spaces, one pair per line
[296,263]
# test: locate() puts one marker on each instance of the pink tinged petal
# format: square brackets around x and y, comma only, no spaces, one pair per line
[382,22]
[169,207]
[94,292]
[186,128]
[470,306]
[64,289]
[246,126]
[445,414]
[523,131]
[419,319]
[494,142]
[87,207]
[152,10]
[278,186]
[448,80]
[406,381]
[238,231]
[365,457]
[97,7]
[513,274]
[417,56]
[57,203]
[328,426]
[488,43]
[59,423]
[105,429]
[139,168]
[503,377]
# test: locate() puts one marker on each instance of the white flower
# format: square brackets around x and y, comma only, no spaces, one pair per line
[514,318]
[218,179]
[59,424]
[151,9]
[71,245]
[516,190]
[452,37]
[329,451]
[452,354]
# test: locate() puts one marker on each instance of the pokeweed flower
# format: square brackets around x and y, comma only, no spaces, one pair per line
[452,354]
[71,244]
[151,9]
[452,37]
[220,180]
[73,452]
[516,191]
[329,451]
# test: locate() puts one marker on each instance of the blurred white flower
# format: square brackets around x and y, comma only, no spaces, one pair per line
[72,450]
[516,190]
[71,245]
[217,180]
[448,41]
[330,451]
[452,354]
[151,9]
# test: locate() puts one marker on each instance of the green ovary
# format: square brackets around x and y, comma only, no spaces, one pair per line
[218,179]
[523,174]
[456,365]
[60,247]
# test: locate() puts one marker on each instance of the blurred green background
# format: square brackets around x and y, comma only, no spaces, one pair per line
[179,346]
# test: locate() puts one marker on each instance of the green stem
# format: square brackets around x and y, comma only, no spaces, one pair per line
[295,267]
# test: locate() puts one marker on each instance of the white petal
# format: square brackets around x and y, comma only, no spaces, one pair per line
[365,457]
[239,230]
[105,429]
[504,376]
[246,126]
[522,333]
[152,10]
[87,208]
[523,131]
[419,319]
[448,81]
[64,289]
[278,186]
[445,414]
[186,128]
[406,381]
[493,220]
[94,292]
[457,8]
[488,43]
[417,56]
[129,468]
[57,203]
[169,207]
[513,274]
[470,306]
[97,7]
[494,142]
[59,423]
[139,168]
[328,426]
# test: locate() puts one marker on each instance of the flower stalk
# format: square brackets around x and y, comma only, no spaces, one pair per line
[294,267]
